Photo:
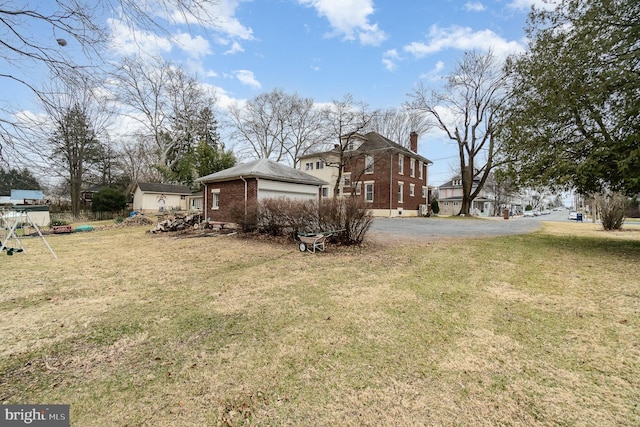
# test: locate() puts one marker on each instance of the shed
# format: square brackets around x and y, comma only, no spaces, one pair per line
[248,183]
[155,197]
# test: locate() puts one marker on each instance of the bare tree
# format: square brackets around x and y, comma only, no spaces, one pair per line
[72,148]
[398,123]
[345,118]
[277,125]
[137,159]
[468,112]
[78,37]
[166,103]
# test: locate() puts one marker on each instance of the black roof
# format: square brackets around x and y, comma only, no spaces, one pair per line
[153,187]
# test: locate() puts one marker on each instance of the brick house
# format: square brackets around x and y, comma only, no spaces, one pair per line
[242,186]
[391,179]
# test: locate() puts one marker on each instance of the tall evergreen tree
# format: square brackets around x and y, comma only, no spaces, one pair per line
[14,179]
[574,120]
[75,145]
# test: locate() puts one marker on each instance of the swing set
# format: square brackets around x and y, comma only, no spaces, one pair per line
[12,219]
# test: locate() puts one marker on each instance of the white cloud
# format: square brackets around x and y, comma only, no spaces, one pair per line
[235,48]
[194,47]
[127,41]
[247,78]
[389,59]
[349,18]
[538,4]
[222,13]
[463,38]
[474,6]
[434,74]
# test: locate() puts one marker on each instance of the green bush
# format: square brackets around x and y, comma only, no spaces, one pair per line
[435,207]
[56,222]
[108,200]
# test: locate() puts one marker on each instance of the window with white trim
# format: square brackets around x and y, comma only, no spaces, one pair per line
[400,164]
[347,180]
[308,166]
[368,191]
[412,167]
[412,190]
[400,191]
[424,192]
[325,191]
[319,164]
[368,164]
[215,199]
[421,166]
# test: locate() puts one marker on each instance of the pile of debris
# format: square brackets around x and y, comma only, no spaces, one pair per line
[136,220]
[178,223]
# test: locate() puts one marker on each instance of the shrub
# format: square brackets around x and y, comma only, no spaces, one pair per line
[346,214]
[108,200]
[282,216]
[612,210]
[56,222]
[246,218]
[435,207]
[286,217]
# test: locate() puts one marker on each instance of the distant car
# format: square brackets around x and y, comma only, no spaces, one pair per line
[546,212]
[573,215]
[536,213]
[528,213]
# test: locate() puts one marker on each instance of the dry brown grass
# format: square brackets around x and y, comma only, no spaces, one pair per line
[135,329]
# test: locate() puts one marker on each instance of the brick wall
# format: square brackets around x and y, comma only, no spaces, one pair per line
[231,194]
[383,163]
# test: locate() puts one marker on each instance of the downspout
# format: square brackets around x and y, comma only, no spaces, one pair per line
[245,196]
[205,209]
[390,184]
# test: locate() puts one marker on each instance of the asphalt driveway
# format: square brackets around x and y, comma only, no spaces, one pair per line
[437,228]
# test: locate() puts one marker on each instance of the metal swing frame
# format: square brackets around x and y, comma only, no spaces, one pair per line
[18,217]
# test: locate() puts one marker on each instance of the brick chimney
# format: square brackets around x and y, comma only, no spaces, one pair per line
[413,142]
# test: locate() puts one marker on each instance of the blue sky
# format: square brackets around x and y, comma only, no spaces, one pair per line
[376,50]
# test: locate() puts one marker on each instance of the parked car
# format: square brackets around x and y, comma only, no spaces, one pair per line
[546,212]
[573,215]
[528,213]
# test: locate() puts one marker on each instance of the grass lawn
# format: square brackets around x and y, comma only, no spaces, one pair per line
[133,329]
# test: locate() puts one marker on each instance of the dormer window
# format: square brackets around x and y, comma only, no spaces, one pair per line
[352,144]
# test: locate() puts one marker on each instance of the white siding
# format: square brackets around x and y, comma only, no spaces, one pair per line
[273,189]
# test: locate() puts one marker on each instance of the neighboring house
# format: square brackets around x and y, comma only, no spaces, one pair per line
[86,196]
[154,197]
[242,186]
[195,201]
[22,201]
[450,198]
[491,200]
[391,179]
